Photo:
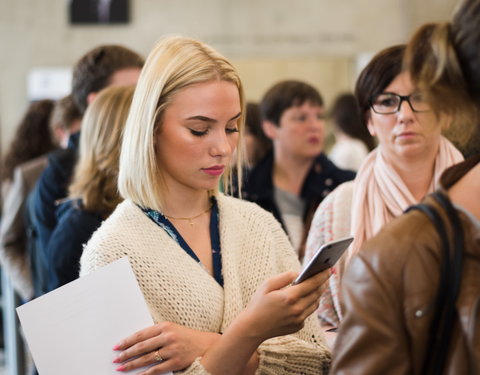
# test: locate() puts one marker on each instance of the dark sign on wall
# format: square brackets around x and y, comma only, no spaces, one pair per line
[99,11]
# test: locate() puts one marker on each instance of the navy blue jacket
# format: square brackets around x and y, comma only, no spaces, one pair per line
[323,177]
[50,188]
[74,228]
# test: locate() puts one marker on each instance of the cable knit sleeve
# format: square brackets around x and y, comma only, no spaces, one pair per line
[284,355]
[290,355]
[304,352]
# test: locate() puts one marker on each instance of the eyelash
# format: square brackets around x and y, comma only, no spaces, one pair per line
[197,133]
[231,130]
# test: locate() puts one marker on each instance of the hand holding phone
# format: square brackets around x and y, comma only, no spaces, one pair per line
[325,257]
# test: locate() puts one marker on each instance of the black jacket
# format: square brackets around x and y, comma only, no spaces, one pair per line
[74,228]
[41,218]
[323,177]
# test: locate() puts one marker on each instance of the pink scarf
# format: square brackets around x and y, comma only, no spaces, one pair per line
[379,194]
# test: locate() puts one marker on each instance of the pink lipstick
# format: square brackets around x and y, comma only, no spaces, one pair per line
[216,170]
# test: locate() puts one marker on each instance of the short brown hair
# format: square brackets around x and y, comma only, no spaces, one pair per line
[379,72]
[284,95]
[95,69]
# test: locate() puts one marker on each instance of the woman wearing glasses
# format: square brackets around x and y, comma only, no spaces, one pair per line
[395,288]
[406,165]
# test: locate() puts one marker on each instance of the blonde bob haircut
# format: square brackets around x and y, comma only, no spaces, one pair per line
[96,173]
[174,64]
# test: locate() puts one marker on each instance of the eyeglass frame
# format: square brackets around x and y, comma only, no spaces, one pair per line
[403,98]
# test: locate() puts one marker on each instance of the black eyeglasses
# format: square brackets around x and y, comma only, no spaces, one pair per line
[388,103]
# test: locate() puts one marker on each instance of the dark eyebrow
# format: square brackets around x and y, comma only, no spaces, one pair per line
[208,119]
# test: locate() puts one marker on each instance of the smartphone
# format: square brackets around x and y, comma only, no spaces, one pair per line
[325,257]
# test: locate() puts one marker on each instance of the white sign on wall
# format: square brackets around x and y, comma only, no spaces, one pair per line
[49,83]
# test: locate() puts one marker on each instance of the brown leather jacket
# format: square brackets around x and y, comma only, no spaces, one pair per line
[388,294]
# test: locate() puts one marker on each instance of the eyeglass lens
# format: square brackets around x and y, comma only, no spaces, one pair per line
[388,103]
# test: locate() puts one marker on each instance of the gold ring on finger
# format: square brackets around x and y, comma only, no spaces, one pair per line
[157,357]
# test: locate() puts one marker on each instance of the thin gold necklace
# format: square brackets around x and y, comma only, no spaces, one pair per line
[189,219]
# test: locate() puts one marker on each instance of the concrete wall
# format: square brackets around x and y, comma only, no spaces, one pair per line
[316,40]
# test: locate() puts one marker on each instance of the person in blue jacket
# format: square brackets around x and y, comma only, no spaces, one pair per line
[93,192]
[105,65]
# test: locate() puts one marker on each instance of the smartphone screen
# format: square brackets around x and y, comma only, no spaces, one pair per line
[325,257]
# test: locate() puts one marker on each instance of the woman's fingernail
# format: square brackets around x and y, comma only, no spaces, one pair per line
[120,368]
[116,360]
[116,347]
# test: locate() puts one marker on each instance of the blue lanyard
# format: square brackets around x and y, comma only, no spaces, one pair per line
[159,219]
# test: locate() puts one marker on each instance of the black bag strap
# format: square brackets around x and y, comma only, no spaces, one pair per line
[449,285]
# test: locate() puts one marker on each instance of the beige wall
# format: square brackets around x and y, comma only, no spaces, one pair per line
[315,40]
[328,74]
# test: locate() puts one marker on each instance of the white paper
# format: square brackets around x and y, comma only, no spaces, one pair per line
[73,329]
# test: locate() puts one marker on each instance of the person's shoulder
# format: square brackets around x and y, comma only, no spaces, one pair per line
[335,207]
[343,174]
[115,237]
[72,211]
[34,166]
[65,208]
[247,220]
[340,197]
[241,209]
[75,226]
[264,164]
[126,213]
[342,191]
[260,174]
[61,162]
[234,204]
[333,171]
[118,225]
[25,176]
[400,242]
[60,156]
[58,169]
[126,223]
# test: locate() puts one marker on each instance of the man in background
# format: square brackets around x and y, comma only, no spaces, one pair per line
[103,66]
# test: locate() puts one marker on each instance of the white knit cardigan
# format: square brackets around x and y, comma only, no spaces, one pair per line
[178,289]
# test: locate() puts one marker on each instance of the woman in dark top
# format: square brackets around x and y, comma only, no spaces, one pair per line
[93,192]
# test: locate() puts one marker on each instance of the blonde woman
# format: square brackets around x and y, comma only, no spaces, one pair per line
[93,192]
[199,256]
